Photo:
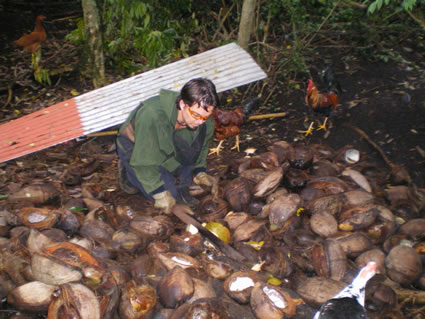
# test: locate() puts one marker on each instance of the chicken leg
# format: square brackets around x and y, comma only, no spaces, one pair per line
[323,126]
[236,146]
[216,150]
[309,131]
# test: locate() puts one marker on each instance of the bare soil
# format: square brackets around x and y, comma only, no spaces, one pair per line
[386,100]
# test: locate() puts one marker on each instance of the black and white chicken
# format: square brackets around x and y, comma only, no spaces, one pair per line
[349,302]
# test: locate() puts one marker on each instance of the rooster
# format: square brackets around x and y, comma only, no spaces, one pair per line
[227,123]
[31,42]
[323,102]
[349,302]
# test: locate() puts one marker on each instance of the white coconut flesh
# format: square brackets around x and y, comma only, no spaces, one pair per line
[192,229]
[275,297]
[181,261]
[241,283]
[36,217]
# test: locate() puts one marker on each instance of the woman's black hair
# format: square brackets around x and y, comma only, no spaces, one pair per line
[201,91]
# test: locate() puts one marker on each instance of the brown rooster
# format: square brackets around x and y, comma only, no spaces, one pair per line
[227,123]
[31,42]
[323,102]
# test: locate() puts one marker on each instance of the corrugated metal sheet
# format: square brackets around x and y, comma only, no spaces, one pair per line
[53,125]
[228,67]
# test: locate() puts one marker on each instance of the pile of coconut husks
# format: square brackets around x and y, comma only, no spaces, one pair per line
[290,228]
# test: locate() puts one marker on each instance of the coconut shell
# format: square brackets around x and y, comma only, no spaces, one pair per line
[173,259]
[323,168]
[75,300]
[38,218]
[175,288]
[403,264]
[282,149]
[328,184]
[53,272]
[238,193]
[353,243]
[153,228]
[383,227]
[186,243]
[216,269]
[137,301]
[282,208]
[331,204]
[271,302]
[323,224]
[33,296]
[37,241]
[415,228]
[376,255]
[202,290]
[247,230]
[233,220]
[212,209]
[202,308]
[329,260]
[68,222]
[266,160]
[125,213]
[146,269]
[97,230]
[240,284]
[4,226]
[255,175]
[358,178]
[269,184]
[358,198]
[276,262]
[36,194]
[300,156]
[127,240]
[357,218]
[317,290]
[295,179]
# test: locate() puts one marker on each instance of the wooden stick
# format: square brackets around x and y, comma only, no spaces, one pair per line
[414,296]
[266,116]
[253,117]
[105,133]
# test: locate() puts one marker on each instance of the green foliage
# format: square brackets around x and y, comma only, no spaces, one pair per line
[77,36]
[144,34]
[41,75]
[376,5]
[140,35]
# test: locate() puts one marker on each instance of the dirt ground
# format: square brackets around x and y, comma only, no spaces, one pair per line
[386,100]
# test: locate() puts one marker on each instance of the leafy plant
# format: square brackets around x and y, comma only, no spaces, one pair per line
[406,5]
[143,34]
[41,75]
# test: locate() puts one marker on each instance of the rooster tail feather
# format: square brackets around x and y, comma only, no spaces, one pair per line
[329,80]
[249,106]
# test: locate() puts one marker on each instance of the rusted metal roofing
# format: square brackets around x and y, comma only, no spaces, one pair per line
[228,66]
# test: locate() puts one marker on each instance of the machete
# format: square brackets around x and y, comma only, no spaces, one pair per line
[182,212]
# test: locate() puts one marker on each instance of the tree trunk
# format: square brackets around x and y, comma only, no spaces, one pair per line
[94,42]
[247,22]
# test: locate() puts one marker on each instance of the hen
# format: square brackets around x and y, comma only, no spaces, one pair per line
[323,102]
[349,302]
[227,123]
[31,42]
